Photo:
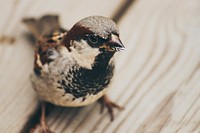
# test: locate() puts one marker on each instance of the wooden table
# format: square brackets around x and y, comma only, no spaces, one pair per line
[157,77]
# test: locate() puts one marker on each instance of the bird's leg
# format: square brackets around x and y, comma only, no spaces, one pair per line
[42,127]
[106,102]
[43,118]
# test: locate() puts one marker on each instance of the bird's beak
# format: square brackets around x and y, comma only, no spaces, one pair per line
[114,44]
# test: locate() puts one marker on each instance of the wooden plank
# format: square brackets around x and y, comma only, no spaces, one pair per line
[156,79]
[17,97]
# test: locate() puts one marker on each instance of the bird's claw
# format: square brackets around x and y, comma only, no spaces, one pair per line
[40,129]
[106,102]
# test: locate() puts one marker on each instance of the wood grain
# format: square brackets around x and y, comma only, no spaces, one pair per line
[157,77]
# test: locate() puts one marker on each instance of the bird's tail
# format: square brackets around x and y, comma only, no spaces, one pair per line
[42,26]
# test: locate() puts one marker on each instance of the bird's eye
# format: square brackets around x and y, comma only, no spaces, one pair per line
[93,39]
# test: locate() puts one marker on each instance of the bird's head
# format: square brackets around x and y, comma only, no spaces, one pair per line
[93,36]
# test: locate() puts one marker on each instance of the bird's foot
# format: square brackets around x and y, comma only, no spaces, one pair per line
[106,102]
[40,129]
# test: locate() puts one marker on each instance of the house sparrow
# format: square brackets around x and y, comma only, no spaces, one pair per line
[73,68]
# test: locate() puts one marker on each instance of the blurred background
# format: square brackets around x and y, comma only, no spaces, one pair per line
[156,79]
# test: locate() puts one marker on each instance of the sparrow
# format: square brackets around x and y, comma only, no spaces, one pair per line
[74,68]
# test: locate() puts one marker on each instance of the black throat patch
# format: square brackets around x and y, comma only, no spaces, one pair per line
[81,81]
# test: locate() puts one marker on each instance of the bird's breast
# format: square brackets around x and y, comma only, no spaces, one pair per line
[65,83]
[82,82]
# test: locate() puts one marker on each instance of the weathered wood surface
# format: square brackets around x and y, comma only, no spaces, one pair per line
[157,77]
